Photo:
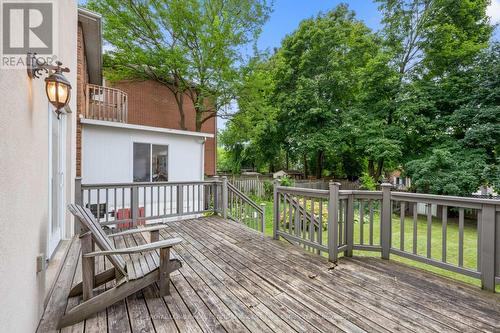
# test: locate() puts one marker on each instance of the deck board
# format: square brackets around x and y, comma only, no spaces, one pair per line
[234,279]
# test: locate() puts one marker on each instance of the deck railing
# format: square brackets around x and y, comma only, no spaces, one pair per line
[126,205]
[104,103]
[457,234]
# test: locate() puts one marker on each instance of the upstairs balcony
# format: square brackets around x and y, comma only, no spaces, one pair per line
[104,103]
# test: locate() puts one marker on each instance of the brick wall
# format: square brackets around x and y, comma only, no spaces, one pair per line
[81,83]
[153,104]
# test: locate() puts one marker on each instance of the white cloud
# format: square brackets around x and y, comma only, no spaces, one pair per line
[493,11]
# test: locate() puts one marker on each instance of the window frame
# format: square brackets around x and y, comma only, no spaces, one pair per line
[151,159]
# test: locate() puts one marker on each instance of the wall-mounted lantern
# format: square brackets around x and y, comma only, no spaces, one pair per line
[57,87]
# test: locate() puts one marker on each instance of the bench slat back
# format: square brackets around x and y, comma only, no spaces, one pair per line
[102,240]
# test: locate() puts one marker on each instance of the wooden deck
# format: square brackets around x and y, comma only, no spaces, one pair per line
[234,279]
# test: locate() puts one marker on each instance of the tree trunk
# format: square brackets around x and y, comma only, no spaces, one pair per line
[371,169]
[305,166]
[179,99]
[380,168]
[287,160]
[319,164]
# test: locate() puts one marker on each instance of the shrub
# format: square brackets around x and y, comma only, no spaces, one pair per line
[367,182]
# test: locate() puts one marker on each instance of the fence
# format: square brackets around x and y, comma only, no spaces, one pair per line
[338,222]
[251,185]
[127,205]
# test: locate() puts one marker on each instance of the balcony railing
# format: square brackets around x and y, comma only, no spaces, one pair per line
[104,103]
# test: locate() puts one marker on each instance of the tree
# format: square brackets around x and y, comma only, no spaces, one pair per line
[466,155]
[433,36]
[190,46]
[251,135]
[317,82]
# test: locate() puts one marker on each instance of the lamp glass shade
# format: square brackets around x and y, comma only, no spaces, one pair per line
[58,90]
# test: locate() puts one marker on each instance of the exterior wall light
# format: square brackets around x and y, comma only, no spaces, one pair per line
[57,86]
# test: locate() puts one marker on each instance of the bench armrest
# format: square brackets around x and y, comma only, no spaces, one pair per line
[137,249]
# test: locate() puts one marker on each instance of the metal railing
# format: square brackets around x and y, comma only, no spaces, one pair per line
[457,234]
[104,103]
[126,205]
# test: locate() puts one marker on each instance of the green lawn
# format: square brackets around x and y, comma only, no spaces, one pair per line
[470,240]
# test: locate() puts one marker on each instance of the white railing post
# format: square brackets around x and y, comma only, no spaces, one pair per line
[216,194]
[263,220]
[385,226]
[488,233]
[333,221]
[135,204]
[78,201]
[276,214]
[224,197]
[180,199]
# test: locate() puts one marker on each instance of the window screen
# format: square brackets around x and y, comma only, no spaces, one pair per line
[142,162]
[160,163]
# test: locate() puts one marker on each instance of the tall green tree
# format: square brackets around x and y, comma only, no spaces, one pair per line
[433,36]
[251,136]
[317,81]
[193,47]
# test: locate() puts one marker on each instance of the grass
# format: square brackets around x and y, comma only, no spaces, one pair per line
[470,240]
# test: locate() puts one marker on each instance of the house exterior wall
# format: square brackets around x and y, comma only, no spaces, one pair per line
[153,104]
[108,154]
[24,170]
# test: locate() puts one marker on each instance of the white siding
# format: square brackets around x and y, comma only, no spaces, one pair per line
[107,154]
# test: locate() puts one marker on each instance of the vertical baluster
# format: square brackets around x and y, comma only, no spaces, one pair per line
[311,222]
[429,230]
[107,205]
[284,212]
[304,218]
[158,200]
[479,228]
[164,200]
[341,219]
[370,208]
[151,197]
[290,214]
[171,199]
[402,226]
[361,222]
[461,237]
[320,227]
[114,203]
[444,221]
[88,198]
[415,230]
[98,205]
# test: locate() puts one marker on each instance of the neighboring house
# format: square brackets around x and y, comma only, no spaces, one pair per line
[129,133]
[37,172]
[400,182]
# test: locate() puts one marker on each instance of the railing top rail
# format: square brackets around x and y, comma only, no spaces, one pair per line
[96,86]
[444,198]
[304,191]
[131,184]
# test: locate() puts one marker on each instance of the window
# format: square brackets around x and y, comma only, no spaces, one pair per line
[150,162]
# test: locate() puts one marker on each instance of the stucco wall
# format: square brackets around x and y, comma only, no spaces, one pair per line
[24,115]
[107,154]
